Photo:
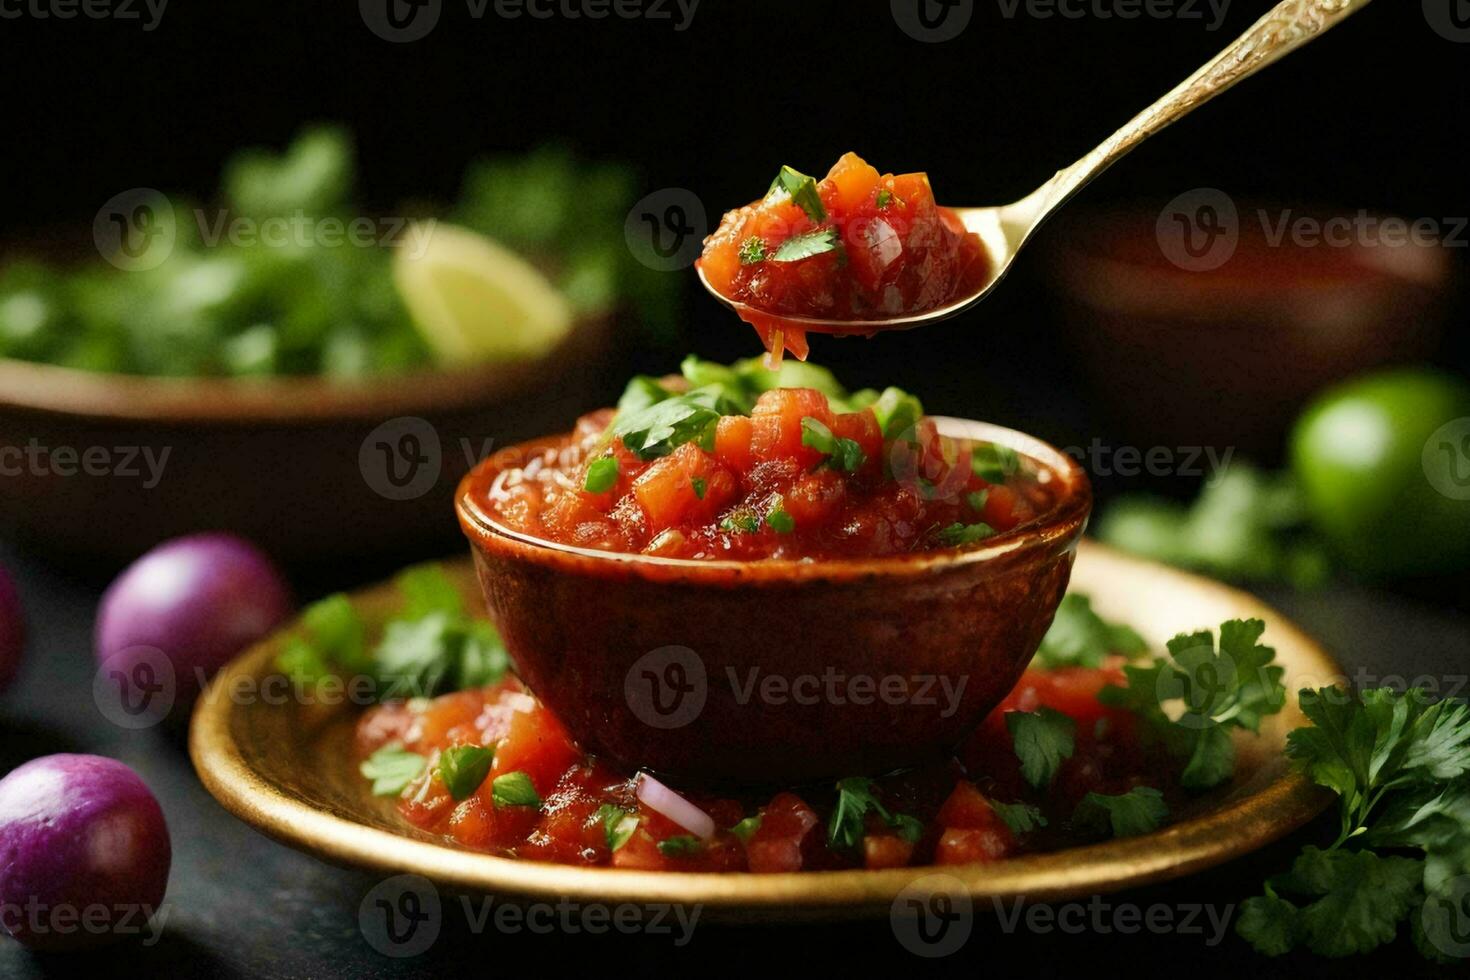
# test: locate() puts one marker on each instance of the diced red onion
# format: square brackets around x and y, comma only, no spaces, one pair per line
[659,797]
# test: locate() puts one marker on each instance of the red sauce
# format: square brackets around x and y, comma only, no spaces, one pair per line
[757,491]
[877,246]
[951,801]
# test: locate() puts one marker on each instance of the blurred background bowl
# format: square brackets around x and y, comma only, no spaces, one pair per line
[1228,356]
[298,465]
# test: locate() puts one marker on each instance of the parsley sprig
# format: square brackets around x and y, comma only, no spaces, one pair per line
[855,800]
[1400,765]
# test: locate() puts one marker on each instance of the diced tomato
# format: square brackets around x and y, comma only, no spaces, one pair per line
[784,836]
[732,442]
[537,745]
[776,424]
[862,428]
[815,499]
[886,851]
[961,845]
[682,487]
[1000,508]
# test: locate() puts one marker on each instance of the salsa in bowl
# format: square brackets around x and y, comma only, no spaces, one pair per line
[636,608]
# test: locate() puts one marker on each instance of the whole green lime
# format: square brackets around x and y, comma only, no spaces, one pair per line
[1384,464]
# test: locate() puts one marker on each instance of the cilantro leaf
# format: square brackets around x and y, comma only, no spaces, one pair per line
[602,474]
[427,589]
[681,846]
[957,535]
[1042,739]
[392,768]
[752,250]
[1022,818]
[803,191]
[1141,810]
[806,245]
[642,392]
[842,453]
[1269,923]
[1360,898]
[514,789]
[664,426]
[463,768]
[618,825]
[778,520]
[897,412]
[993,462]
[438,653]
[855,799]
[1079,637]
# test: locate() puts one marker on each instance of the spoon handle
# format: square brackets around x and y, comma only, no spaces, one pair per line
[1289,25]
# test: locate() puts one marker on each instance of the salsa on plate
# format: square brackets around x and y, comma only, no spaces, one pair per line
[741,462]
[856,245]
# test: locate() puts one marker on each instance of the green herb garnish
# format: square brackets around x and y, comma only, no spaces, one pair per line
[1141,810]
[1400,766]
[700,485]
[803,191]
[778,520]
[806,245]
[994,463]
[855,798]
[514,789]
[1079,637]
[664,426]
[392,768]
[1021,818]
[897,412]
[842,453]
[752,250]
[741,523]
[884,196]
[602,474]
[962,534]
[618,824]
[1042,739]
[746,828]
[681,846]
[463,768]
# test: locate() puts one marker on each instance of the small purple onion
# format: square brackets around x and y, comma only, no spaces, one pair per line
[195,601]
[84,852]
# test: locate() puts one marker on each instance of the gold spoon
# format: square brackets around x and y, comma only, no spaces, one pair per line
[1003,230]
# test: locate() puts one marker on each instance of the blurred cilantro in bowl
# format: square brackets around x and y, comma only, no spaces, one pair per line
[308,288]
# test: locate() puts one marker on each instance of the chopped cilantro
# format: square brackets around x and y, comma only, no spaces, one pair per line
[803,191]
[855,798]
[1042,739]
[602,474]
[993,462]
[962,534]
[1138,811]
[779,520]
[617,825]
[884,196]
[746,828]
[842,453]
[392,768]
[1079,637]
[463,768]
[701,485]
[514,789]
[1022,818]
[681,846]
[664,426]
[977,500]
[752,250]
[741,522]
[806,245]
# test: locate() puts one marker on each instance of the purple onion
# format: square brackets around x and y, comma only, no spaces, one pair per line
[195,601]
[84,852]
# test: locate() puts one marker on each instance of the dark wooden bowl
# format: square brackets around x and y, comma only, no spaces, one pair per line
[667,664]
[292,463]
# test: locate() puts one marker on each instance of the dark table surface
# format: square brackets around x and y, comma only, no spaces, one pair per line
[241,905]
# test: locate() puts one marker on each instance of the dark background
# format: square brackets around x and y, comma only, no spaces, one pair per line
[1372,117]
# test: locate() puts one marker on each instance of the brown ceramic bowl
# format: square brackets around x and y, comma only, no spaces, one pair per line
[724,672]
[289,462]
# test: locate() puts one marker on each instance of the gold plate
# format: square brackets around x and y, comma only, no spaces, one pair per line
[289,770]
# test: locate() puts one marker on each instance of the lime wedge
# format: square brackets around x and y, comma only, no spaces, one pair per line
[473,299]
